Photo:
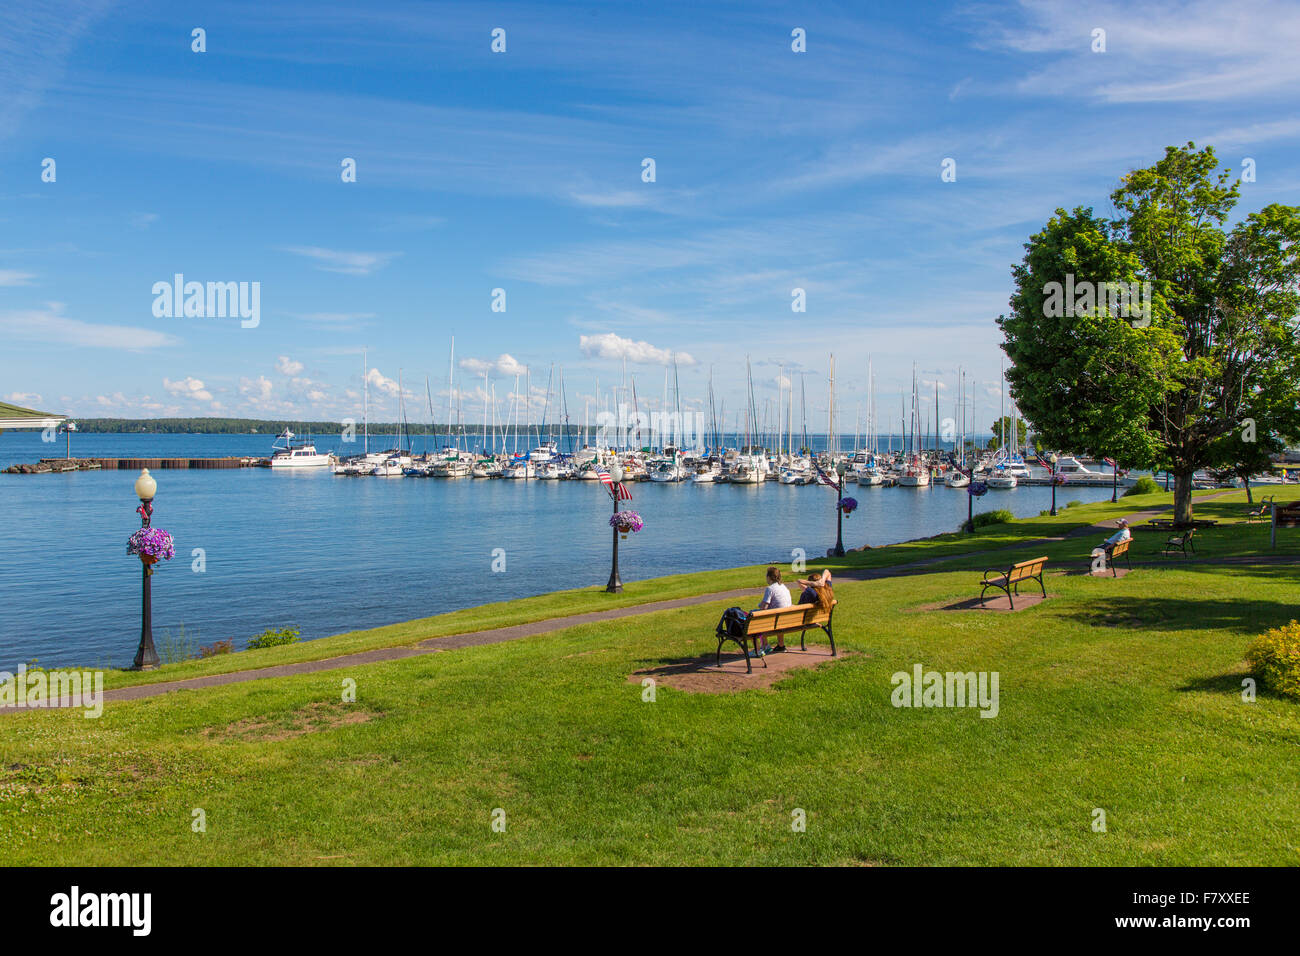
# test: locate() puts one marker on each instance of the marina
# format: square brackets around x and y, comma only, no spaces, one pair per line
[262,547]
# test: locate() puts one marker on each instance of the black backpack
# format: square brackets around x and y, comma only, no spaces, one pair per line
[732,623]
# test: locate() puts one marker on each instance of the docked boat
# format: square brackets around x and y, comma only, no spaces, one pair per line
[1002,479]
[520,467]
[302,455]
[956,479]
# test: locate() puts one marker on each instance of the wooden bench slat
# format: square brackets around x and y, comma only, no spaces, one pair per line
[783,620]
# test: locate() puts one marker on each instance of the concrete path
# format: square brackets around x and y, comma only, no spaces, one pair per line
[498,635]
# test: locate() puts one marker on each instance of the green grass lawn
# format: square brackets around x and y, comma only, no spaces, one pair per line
[955,548]
[1123,695]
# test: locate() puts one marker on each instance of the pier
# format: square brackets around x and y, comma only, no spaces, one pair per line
[51,465]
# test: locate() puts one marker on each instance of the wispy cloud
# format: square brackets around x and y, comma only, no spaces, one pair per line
[348,263]
[51,326]
[10,277]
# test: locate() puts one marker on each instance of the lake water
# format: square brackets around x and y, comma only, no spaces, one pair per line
[327,555]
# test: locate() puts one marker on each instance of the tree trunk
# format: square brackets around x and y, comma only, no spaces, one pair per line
[1249,500]
[1183,498]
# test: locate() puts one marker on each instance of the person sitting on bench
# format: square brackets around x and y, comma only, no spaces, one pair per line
[1107,546]
[817,590]
[776,595]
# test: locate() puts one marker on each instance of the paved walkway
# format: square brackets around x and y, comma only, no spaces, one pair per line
[498,635]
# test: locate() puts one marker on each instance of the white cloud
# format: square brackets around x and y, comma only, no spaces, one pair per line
[143,220]
[287,366]
[10,277]
[504,366]
[348,263]
[49,325]
[24,398]
[612,346]
[256,389]
[188,387]
[377,380]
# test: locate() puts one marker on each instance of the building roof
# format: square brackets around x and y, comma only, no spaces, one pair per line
[15,416]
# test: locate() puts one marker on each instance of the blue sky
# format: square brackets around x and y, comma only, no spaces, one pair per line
[522,170]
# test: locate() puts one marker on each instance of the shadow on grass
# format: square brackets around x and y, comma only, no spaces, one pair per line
[1230,684]
[1242,615]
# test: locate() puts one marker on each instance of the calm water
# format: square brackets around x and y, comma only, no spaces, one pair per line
[327,555]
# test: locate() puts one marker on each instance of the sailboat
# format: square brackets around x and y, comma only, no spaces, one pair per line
[915,473]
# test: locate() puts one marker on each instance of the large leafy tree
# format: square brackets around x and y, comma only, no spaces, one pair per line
[1213,347]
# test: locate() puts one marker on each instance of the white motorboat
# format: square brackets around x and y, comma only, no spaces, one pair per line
[956,479]
[519,468]
[1001,479]
[303,455]
[915,475]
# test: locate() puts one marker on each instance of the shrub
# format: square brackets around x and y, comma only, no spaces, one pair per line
[1074,503]
[1146,485]
[1274,657]
[172,650]
[218,647]
[273,638]
[985,518]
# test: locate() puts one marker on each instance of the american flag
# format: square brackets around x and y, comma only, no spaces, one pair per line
[823,478]
[619,490]
[1109,461]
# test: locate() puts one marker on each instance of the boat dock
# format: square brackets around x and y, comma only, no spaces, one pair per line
[52,465]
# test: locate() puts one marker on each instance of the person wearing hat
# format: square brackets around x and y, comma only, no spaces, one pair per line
[1123,534]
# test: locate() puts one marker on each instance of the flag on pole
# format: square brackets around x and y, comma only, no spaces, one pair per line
[1109,461]
[605,479]
[622,492]
[822,477]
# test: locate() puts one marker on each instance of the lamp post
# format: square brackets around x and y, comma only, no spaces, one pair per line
[146,657]
[1114,481]
[1053,461]
[970,501]
[839,512]
[615,585]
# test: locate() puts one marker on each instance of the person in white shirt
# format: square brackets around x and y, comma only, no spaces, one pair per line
[776,595]
[1123,534]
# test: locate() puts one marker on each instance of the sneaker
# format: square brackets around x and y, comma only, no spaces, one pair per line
[760,652]
[779,649]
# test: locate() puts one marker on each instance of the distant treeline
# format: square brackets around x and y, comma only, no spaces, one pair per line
[245,426]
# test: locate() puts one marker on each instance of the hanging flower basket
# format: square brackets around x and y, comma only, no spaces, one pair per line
[626,522]
[152,545]
[977,488]
[848,505]
[1058,479]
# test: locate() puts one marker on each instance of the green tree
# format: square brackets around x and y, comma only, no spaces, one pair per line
[1001,429]
[1164,378]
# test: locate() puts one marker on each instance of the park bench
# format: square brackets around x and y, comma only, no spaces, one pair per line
[780,620]
[1119,550]
[1009,580]
[1263,511]
[1180,543]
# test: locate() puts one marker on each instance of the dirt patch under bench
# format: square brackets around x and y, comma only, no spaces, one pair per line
[701,675]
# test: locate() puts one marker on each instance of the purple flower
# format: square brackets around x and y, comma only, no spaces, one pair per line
[152,542]
[848,505]
[626,521]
